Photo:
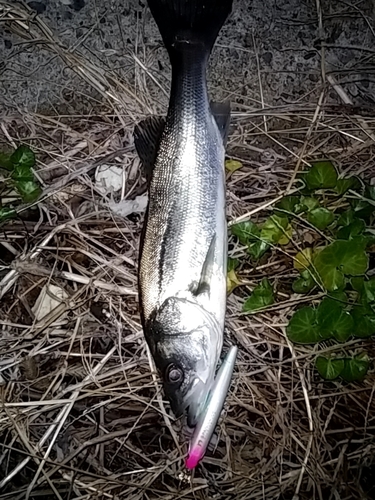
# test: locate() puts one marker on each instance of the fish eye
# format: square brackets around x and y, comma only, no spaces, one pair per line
[174,374]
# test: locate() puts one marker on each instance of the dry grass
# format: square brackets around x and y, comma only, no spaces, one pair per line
[81,412]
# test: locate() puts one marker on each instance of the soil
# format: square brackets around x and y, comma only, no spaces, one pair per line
[272,44]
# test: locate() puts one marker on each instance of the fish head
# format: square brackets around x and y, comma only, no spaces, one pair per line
[186,342]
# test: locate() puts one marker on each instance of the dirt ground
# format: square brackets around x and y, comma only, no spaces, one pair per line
[83,416]
[271,44]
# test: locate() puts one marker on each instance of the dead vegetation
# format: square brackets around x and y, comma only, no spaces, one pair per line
[82,414]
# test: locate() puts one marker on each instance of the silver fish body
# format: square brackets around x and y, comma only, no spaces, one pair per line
[183,260]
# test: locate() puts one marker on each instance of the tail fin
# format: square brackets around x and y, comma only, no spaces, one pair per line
[189,22]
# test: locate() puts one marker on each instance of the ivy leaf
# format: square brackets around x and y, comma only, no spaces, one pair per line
[362,208]
[338,258]
[357,283]
[23,156]
[29,190]
[369,290]
[343,185]
[334,321]
[306,204]
[342,326]
[5,161]
[303,259]
[232,281]
[233,165]
[303,327]
[246,232]
[353,229]
[339,297]
[276,230]
[355,368]
[232,264]
[257,249]
[346,218]
[22,173]
[305,283]
[332,277]
[370,192]
[7,213]
[262,296]
[288,203]
[320,217]
[327,306]
[365,289]
[329,369]
[322,175]
[354,259]
[364,321]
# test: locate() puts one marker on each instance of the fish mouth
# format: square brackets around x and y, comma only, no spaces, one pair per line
[196,399]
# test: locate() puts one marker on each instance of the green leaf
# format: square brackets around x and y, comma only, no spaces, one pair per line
[288,203]
[339,258]
[232,281]
[306,204]
[354,259]
[22,173]
[346,218]
[362,208]
[305,283]
[342,326]
[233,165]
[346,183]
[329,369]
[365,289]
[303,259]
[357,283]
[246,232]
[29,190]
[332,278]
[327,306]
[5,161]
[276,230]
[232,264]
[303,327]
[262,296]
[333,320]
[369,290]
[320,217]
[340,297]
[257,249]
[7,213]
[355,369]
[23,156]
[364,321]
[370,192]
[353,229]
[322,175]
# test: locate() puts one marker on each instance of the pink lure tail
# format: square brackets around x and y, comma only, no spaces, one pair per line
[193,459]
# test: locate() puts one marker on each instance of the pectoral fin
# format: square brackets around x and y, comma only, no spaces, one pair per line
[207,270]
[147,135]
[221,112]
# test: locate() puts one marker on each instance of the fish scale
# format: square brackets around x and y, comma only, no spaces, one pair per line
[183,257]
[183,198]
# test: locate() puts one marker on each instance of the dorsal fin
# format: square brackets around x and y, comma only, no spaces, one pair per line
[221,112]
[147,135]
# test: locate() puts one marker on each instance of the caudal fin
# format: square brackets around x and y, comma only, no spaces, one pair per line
[189,22]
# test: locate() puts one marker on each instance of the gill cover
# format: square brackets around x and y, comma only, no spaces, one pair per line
[182,334]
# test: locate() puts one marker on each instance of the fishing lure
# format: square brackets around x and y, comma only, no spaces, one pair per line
[207,423]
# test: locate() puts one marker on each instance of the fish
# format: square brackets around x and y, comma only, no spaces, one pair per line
[183,250]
